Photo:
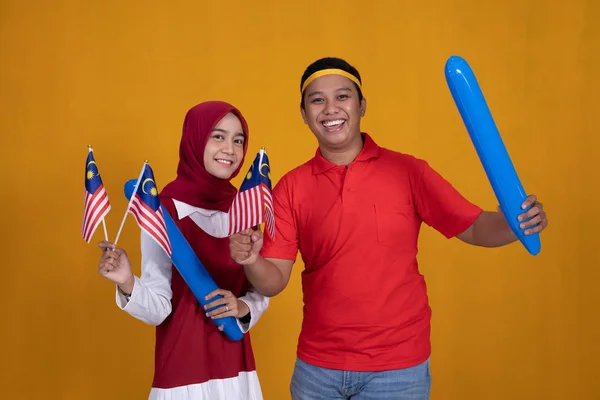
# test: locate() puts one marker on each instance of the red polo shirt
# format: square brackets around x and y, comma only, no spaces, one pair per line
[356,227]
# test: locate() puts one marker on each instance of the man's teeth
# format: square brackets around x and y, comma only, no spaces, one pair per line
[333,123]
[226,162]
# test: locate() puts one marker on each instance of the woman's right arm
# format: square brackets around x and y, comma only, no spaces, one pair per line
[150,297]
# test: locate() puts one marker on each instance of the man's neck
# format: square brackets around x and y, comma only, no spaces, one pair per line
[345,155]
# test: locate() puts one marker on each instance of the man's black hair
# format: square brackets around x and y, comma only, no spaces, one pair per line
[327,63]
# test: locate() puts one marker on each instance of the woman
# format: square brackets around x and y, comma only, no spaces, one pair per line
[193,359]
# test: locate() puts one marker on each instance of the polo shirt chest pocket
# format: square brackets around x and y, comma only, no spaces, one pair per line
[397,225]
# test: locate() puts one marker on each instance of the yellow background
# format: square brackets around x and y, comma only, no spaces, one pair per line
[121,75]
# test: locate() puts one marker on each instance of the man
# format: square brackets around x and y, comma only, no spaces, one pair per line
[354,212]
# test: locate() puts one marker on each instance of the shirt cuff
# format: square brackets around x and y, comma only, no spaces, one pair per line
[122,300]
[245,326]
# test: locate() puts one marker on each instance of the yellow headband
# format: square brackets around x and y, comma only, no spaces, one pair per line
[330,71]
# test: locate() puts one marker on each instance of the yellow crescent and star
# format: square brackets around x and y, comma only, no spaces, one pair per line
[90,174]
[268,175]
[260,171]
[249,174]
[153,191]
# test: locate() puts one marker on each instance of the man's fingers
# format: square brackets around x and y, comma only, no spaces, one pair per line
[241,239]
[241,247]
[257,235]
[531,199]
[242,234]
[241,255]
[540,223]
[533,230]
[533,221]
[532,212]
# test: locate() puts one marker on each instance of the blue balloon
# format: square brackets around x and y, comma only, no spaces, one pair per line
[489,146]
[192,271]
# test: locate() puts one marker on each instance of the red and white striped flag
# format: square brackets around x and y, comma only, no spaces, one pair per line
[145,207]
[96,203]
[253,203]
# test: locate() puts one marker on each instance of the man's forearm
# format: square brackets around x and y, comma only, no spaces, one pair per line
[265,277]
[492,230]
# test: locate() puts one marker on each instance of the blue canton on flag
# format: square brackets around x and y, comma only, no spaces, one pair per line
[96,203]
[253,204]
[145,208]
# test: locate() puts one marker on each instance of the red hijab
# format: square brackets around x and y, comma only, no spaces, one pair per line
[194,185]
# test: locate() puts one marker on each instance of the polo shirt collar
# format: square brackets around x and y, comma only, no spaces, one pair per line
[369,150]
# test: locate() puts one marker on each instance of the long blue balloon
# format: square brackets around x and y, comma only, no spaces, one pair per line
[192,271]
[490,148]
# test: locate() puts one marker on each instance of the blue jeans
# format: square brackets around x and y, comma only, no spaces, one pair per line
[314,383]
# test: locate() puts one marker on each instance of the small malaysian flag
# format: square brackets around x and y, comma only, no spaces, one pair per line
[96,203]
[253,203]
[144,205]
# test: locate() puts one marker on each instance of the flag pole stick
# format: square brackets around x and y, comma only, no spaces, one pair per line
[137,184]
[261,152]
[105,232]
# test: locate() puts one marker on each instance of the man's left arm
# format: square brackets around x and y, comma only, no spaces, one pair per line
[490,229]
[442,207]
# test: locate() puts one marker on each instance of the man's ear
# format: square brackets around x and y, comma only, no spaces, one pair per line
[303,114]
[363,107]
